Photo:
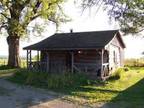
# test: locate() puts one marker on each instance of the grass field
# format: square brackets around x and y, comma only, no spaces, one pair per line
[4,62]
[129,89]
[126,92]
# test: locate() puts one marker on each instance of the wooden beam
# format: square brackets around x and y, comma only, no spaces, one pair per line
[30,58]
[47,63]
[27,59]
[38,56]
[72,62]
[102,52]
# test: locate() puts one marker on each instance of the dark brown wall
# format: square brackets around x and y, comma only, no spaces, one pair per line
[86,61]
[58,61]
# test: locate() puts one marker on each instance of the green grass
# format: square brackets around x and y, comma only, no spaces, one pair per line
[128,89]
[125,92]
[7,71]
[3,62]
[57,82]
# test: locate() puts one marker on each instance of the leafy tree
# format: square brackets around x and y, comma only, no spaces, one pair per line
[16,15]
[129,13]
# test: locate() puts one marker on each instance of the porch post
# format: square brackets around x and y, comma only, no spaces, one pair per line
[37,56]
[27,59]
[72,61]
[102,63]
[37,62]
[47,62]
[30,57]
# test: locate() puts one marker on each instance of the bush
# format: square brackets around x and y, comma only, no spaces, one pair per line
[5,67]
[19,76]
[50,81]
[118,73]
[126,69]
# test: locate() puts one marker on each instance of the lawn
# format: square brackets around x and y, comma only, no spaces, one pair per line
[126,92]
[129,89]
[6,71]
[4,62]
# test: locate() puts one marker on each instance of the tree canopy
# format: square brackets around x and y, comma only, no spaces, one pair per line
[16,15]
[129,13]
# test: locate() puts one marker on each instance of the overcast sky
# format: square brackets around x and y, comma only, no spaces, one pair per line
[87,21]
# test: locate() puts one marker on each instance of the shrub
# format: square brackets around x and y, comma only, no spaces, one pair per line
[50,81]
[126,69]
[5,67]
[19,76]
[117,74]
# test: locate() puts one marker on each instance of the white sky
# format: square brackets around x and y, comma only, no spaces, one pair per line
[88,21]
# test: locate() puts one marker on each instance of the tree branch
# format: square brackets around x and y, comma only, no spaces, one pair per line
[6,5]
[36,6]
[3,25]
[4,15]
[139,30]
[34,17]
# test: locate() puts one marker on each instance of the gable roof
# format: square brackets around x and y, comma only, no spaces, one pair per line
[78,40]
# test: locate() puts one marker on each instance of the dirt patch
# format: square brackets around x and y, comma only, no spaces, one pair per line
[14,96]
[4,92]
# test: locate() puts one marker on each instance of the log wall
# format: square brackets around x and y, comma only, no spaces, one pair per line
[86,61]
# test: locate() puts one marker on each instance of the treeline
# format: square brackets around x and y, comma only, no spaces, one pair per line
[6,57]
[134,62]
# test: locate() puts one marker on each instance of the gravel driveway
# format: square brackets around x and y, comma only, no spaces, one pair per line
[14,96]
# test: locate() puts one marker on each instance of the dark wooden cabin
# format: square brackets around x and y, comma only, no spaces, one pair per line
[94,53]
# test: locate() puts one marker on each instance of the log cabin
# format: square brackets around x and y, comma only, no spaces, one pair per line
[96,53]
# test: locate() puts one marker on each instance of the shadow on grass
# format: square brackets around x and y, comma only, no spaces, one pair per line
[132,97]
[89,89]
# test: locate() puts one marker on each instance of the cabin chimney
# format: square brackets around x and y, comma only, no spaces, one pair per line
[71,30]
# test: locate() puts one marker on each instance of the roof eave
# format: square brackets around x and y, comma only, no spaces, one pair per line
[60,49]
[123,44]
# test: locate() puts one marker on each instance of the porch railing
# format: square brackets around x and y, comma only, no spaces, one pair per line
[105,69]
[87,68]
[38,66]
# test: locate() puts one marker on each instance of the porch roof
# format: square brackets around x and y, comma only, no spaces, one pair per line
[73,41]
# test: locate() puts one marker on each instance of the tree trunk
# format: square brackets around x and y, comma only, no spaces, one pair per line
[13,48]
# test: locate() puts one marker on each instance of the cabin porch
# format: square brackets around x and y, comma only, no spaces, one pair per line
[94,63]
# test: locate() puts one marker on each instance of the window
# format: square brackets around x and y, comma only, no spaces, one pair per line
[114,57]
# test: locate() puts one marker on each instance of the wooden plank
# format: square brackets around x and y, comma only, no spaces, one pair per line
[27,59]
[86,64]
[102,52]
[76,68]
[47,66]
[72,62]
[105,64]
[30,56]
[37,56]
